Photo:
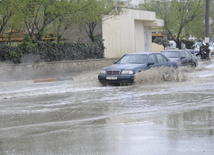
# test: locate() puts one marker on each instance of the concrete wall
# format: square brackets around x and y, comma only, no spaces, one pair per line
[157,48]
[28,71]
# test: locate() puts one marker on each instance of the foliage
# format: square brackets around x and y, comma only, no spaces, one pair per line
[52,51]
[27,42]
[92,15]
[5,52]
[39,14]
[177,16]
[161,41]
[70,17]
[188,43]
[41,17]
[38,17]
[9,10]
[211,14]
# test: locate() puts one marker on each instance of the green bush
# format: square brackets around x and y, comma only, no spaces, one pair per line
[161,41]
[5,52]
[53,51]
[188,43]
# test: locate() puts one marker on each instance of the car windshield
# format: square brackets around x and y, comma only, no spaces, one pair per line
[171,54]
[133,58]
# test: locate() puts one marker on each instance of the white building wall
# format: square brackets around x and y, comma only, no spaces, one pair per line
[139,36]
[118,36]
[129,32]
[148,38]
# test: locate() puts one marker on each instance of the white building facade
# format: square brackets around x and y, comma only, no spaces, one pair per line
[129,32]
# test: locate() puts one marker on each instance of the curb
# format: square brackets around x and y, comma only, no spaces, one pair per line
[45,80]
[26,82]
[14,83]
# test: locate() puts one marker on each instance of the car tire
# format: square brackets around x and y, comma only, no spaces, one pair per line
[199,56]
[193,65]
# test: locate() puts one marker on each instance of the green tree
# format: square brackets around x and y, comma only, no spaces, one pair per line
[8,11]
[188,43]
[161,41]
[178,16]
[70,17]
[93,13]
[212,16]
[39,15]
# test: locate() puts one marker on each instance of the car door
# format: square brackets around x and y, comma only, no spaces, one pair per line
[152,59]
[183,58]
[162,61]
[189,59]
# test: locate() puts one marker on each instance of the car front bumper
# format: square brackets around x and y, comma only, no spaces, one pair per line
[116,79]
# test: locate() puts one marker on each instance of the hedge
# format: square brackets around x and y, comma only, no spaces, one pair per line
[52,51]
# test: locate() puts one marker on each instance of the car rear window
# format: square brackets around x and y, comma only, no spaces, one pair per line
[171,54]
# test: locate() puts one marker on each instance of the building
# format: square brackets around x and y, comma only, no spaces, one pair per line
[131,31]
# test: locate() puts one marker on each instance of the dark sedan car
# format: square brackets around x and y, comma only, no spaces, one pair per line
[123,71]
[181,57]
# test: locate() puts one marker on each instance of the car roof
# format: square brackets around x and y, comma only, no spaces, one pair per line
[143,52]
[172,50]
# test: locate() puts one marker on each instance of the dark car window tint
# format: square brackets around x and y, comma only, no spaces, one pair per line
[134,58]
[183,54]
[152,58]
[161,59]
[188,55]
[140,59]
[171,54]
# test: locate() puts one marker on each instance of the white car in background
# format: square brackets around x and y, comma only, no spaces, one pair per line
[211,47]
[197,46]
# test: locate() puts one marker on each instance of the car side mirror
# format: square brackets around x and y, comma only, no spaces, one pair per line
[182,58]
[150,63]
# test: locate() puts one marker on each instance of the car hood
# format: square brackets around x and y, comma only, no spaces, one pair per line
[125,67]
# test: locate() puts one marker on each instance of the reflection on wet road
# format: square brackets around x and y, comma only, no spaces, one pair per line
[82,117]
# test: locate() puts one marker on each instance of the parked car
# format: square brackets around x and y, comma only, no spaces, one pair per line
[191,51]
[181,57]
[123,71]
[196,47]
[211,47]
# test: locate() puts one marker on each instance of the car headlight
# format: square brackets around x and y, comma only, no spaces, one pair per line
[127,72]
[102,72]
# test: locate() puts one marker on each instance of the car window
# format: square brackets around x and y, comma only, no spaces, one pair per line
[188,55]
[161,59]
[140,59]
[152,58]
[171,54]
[124,59]
[133,58]
[183,54]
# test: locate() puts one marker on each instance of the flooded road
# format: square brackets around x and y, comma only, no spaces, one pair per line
[82,117]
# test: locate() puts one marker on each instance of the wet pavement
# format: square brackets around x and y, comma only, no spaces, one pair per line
[80,116]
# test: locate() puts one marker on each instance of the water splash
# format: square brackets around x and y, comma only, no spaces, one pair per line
[161,74]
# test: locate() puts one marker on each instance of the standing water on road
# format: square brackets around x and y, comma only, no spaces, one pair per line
[171,115]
